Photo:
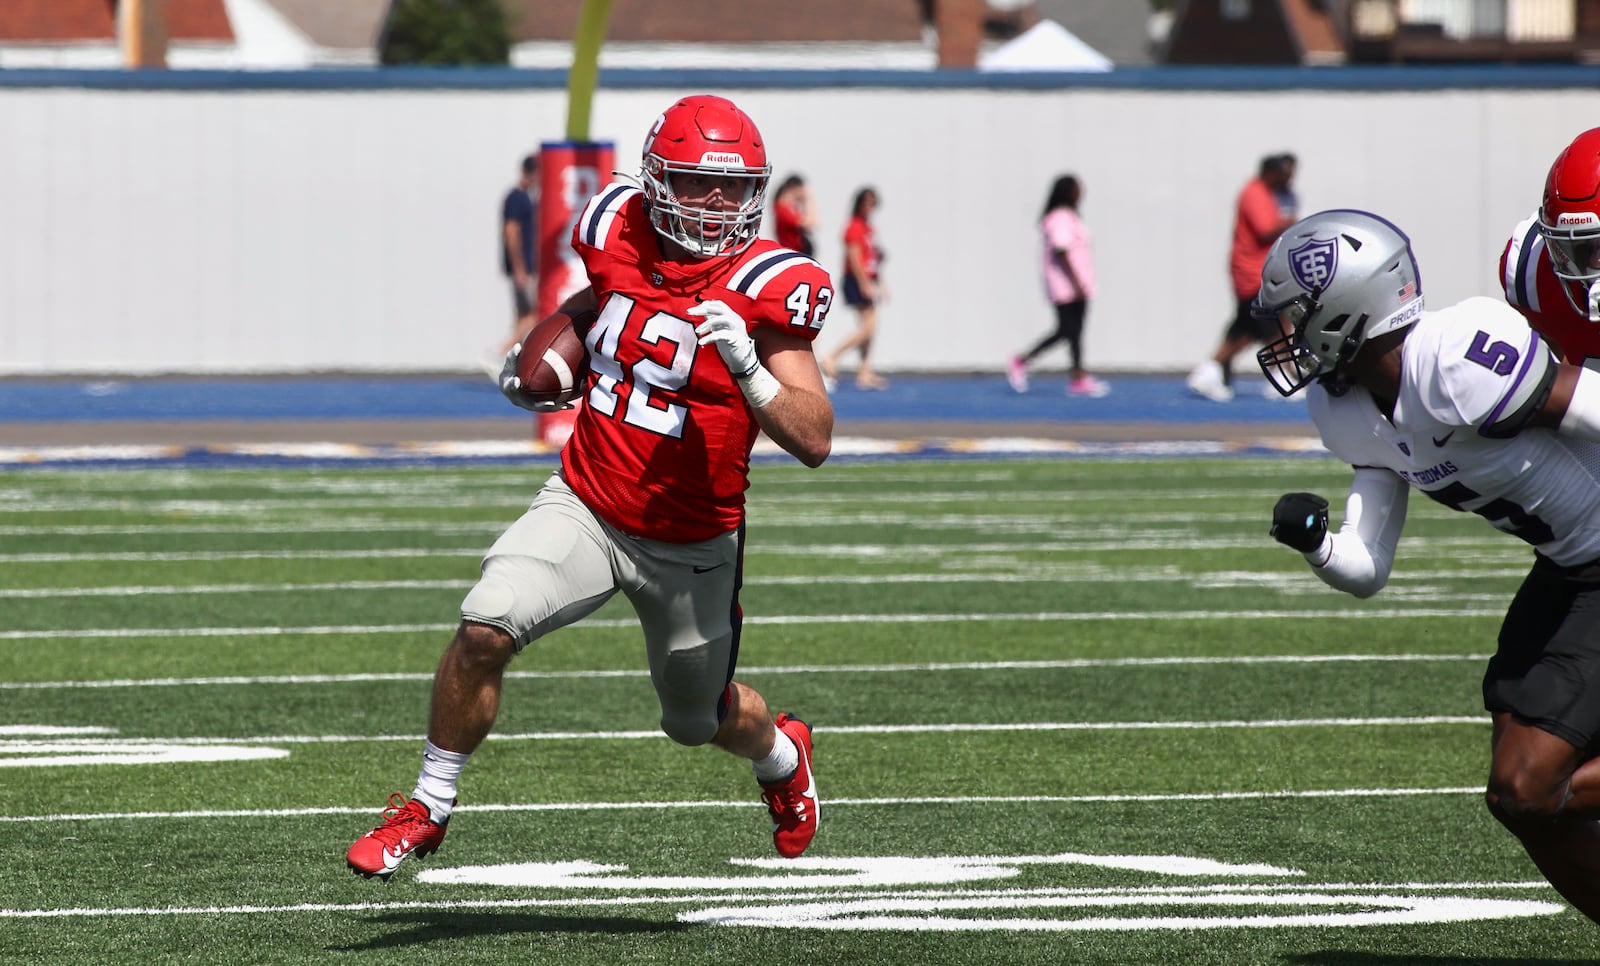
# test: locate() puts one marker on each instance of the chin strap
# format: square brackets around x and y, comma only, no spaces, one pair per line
[1594,301]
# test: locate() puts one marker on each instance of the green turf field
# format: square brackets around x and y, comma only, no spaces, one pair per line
[1065,712]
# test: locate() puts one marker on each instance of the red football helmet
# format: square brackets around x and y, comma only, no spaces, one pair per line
[1569,220]
[708,136]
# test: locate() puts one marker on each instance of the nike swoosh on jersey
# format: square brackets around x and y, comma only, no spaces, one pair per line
[1440,441]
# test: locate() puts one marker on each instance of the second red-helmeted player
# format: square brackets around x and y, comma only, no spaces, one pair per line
[1550,269]
[702,340]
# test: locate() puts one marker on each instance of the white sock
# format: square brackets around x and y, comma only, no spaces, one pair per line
[780,762]
[436,786]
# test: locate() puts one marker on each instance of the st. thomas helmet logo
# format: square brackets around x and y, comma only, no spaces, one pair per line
[1314,263]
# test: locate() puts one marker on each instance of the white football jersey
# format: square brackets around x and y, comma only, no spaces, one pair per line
[1471,377]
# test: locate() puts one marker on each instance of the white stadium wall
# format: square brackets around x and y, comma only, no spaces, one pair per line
[261,228]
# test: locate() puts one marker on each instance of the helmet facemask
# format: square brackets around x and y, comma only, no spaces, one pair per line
[1575,256]
[705,232]
[1288,362]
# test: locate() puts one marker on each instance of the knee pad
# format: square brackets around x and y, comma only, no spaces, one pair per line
[490,599]
[690,688]
[690,726]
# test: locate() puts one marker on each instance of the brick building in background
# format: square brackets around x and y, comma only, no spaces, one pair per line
[1334,32]
[89,33]
[751,34]
[834,34]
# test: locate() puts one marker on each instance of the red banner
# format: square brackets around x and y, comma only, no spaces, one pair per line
[570,173]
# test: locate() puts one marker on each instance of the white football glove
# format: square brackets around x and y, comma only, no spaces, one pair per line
[731,333]
[511,386]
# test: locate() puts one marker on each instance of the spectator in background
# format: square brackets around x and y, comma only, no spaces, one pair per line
[1288,201]
[793,220]
[862,290]
[519,251]
[1069,282]
[1266,207]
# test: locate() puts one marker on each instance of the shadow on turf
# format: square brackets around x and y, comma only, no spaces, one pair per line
[1335,957]
[438,927]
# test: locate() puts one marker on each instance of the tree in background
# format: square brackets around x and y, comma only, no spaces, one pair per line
[445,32]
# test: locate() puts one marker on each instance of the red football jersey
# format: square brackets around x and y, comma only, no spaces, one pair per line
[1531,287]
[661,446]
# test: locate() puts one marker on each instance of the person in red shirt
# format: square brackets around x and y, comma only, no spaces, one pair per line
[1266,207]
[793,220]
[1550,268]
[862,290]
[699,337]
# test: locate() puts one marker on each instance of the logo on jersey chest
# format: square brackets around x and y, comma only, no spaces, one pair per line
[656,278]
[1314,263]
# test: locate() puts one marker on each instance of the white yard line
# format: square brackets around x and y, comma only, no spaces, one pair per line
[656,899]
[24,593]
[1064,664]
[19,745]
[1485,546]
[232,813]
[516,498]
[997,521]
[1289,615]
[1061,573]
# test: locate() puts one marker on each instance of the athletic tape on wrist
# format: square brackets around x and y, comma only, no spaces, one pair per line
[760,386]
[1324,553]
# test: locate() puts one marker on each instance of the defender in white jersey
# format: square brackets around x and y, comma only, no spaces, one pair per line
[1469,406]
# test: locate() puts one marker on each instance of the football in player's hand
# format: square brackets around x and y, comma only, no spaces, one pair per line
[554,363]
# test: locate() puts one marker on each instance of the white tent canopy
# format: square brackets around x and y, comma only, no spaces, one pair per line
[1045,46]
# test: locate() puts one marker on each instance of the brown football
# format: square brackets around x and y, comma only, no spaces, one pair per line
[554,363]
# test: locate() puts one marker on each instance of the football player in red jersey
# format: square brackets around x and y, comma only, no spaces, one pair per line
[1550,269]
[700,337]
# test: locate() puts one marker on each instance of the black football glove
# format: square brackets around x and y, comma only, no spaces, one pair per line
[1300,520]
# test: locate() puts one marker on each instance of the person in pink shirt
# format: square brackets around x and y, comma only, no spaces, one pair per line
[1069,283]
[1266,208]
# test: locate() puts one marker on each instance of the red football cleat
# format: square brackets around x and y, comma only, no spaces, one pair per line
[408,828]
[792,802]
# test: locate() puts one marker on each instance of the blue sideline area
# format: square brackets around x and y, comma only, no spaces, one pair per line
[64,423]
[985,398]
